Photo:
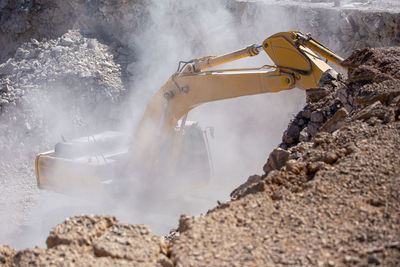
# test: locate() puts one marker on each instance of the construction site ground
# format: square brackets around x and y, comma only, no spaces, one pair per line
[328,194]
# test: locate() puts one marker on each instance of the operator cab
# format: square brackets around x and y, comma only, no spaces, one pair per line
[194,166]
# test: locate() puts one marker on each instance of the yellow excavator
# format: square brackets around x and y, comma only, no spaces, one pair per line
[165,144]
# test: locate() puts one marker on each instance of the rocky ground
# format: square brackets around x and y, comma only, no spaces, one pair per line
[329,195]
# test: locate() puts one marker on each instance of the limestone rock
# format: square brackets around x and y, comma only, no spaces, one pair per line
[7,67]
[313,128]
[295,166]
[79,230]
[335,122]
[328,78]
[131,242]
[317,116]
[184,222]
[6,255]
[362,73]
[254,179]
[63,256]
[316,94]
[276,160]
[375,110]
[291,135]
[383,92]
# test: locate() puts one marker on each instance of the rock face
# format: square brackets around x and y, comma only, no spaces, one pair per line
[109,20]
[343,29]
[353,25]
[328,200]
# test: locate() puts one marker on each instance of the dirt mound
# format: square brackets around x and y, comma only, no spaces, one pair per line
[93,241]
[327,198]
[62,75]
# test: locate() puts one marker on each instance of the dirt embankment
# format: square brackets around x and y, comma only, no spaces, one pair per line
[329,195]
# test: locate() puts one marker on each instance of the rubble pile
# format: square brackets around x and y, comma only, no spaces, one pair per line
[329,198]
[369,71]
[333,193]
[73,75]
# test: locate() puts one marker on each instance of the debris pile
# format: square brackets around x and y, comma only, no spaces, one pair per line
[329,198]
[370,91]
[74,75]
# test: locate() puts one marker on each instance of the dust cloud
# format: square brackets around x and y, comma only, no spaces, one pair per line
[246,129]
